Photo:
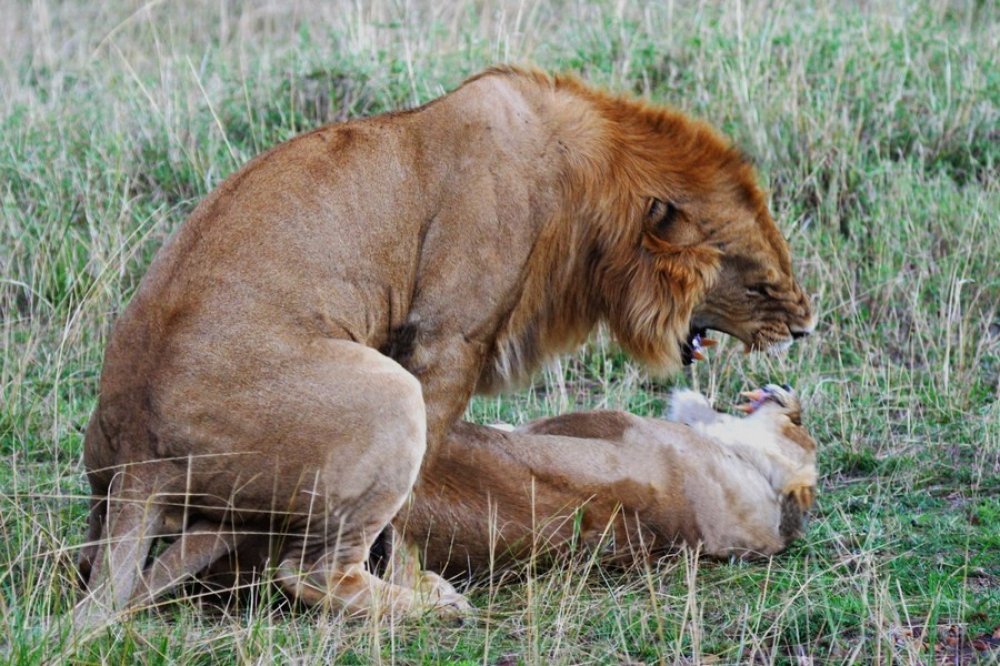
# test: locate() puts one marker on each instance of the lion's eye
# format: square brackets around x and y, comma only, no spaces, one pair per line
[661,216]
[759,289]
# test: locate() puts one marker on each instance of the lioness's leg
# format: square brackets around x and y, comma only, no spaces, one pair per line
[367,429]
[90,548]
[98,508]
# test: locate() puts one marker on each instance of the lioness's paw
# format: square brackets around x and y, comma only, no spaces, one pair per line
[456,603]
[804,495]
[440,597]
[453,608]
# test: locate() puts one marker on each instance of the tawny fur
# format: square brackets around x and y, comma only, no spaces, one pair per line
[323,317]
[633,487]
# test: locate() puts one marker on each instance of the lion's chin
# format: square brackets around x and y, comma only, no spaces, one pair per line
[773,347]
[779,347]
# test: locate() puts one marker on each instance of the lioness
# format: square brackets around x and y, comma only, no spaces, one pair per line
[321,320]
[633,486]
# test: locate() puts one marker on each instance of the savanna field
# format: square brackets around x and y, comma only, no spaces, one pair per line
[876,130]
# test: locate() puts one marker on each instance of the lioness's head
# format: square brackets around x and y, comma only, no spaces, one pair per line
[780,407]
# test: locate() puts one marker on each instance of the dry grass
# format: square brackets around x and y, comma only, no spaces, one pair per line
[875,126]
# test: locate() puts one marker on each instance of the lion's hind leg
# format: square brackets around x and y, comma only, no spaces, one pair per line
[199,546]
[367,432]
[133,518]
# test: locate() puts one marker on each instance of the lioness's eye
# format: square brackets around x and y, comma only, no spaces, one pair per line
[759,289]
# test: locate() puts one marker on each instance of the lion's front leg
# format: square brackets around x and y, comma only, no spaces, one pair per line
[447,367]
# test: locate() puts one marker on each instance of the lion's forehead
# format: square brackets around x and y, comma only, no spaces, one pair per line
[770,261]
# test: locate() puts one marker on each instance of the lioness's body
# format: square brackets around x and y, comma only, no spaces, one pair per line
[633,486]
[324,316]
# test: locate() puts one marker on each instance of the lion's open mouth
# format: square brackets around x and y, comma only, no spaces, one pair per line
[693,348]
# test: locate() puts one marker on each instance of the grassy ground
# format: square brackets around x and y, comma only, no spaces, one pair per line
[876,128]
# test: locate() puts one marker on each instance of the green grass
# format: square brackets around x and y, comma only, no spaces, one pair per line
[876,128]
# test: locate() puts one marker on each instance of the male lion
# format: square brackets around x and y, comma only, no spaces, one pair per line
[321,320]
[631,486]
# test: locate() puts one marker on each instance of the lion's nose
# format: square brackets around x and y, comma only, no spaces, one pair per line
[803,329]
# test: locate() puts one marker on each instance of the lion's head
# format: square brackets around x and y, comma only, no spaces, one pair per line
[694,245]
[721,262]
[755,297]
[663,232]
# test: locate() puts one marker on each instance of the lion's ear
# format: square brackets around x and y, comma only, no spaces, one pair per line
[666,222]
[660,216]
